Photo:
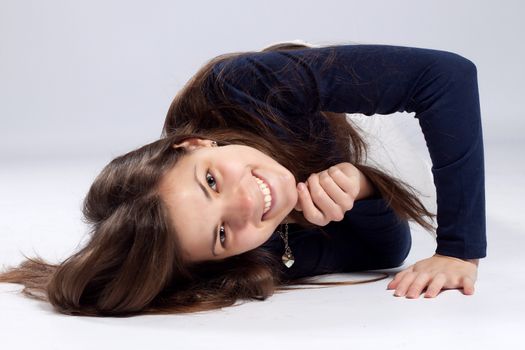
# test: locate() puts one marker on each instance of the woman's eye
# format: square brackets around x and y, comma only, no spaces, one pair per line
[222,235]
[222,231]
[208,178]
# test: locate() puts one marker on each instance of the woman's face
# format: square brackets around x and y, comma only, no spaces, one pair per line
[213,195]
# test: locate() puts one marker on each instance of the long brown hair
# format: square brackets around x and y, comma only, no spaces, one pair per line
[131,265]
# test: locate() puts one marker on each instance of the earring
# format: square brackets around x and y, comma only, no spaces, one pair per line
[214,143]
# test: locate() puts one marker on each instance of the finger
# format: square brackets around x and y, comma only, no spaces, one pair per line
[327,179]
[393,284]
[349,183]
[435,286]
[421,281]
[468,286]
[397,278]
[404,284]
[310,211]
[328,208]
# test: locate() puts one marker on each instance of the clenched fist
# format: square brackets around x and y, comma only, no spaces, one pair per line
[327,195]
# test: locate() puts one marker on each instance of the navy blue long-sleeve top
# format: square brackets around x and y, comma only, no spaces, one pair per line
[439,86]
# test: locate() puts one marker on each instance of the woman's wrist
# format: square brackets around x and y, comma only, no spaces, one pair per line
[474,261]
[366,188]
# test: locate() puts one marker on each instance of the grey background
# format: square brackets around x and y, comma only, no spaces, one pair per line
[95,78]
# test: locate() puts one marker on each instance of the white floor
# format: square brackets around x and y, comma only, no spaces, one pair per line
[40,205]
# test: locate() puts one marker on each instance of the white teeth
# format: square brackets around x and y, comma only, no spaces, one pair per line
[266,192]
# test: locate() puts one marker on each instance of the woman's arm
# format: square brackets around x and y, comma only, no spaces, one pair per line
[369,237]
[439,86]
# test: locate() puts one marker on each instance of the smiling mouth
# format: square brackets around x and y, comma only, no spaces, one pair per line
[267,195]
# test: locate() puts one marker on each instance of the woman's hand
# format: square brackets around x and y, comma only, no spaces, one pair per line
[436,273]
[329,194]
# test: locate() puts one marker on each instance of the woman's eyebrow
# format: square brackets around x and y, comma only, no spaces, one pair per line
[216,230]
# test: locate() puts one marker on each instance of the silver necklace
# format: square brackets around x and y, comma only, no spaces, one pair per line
[288,258]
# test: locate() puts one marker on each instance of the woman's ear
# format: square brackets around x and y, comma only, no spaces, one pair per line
[193,143]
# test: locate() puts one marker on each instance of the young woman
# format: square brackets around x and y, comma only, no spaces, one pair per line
[258,182]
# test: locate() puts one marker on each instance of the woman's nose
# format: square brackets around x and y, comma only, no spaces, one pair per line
[241,206]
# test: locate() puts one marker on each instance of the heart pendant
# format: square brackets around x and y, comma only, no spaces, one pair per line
[288,260]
